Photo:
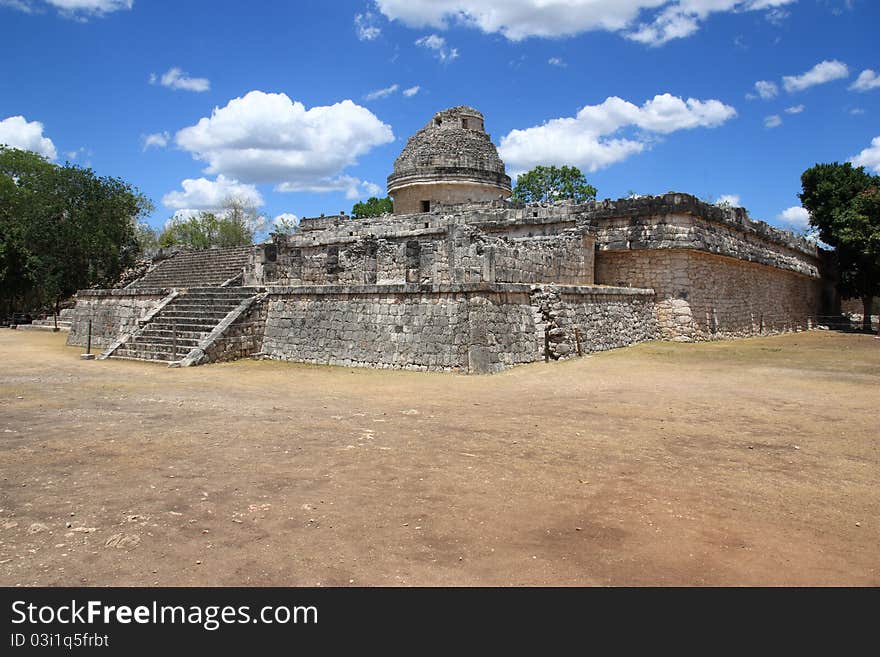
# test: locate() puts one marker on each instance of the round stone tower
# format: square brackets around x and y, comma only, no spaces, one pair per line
[450,160]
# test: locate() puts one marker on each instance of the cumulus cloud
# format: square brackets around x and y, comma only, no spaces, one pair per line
[821,73]
[866,81]
[411,91]
[174,78]
[382,93]
[773,121]
[18,132]
[77,9]
[652,22]
[365,26]
[268,138]
[796,109]
[204,194]
[765,90]
[156,140]
[352,187]
[796,217]
[437,44]
[870,157]
[557,61]
[588,139]
[285,218]
[731,200]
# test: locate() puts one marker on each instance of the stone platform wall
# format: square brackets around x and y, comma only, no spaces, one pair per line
[112,312]
[700,296]
[475,328]
[460,253]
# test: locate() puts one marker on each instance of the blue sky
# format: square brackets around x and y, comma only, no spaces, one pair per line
[303,106]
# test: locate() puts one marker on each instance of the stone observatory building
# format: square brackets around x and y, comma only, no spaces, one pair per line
[461,279]
[450,160]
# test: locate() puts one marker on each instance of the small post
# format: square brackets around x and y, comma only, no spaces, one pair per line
[577,339]
[88,355]
[174,339]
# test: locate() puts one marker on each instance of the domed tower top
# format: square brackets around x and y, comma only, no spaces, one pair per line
[450,160]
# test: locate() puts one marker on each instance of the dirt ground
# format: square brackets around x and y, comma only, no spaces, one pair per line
[752,462]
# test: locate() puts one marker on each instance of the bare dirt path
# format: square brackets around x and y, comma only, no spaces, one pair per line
[751,462]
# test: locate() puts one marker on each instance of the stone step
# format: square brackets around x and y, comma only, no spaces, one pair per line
[177,315]
[163,332]
[189,343]
[228,302]
[41,327]
[128,354]
[195,326]
[141,349]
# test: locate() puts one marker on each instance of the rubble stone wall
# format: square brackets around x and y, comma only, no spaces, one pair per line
[466,328]
[700,296]
[112,312]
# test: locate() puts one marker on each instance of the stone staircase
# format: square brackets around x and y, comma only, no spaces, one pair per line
[194,269]
[65,319]
[182,324]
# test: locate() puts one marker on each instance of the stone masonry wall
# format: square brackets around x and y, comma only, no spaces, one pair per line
[466,328]
[113,312]
[427,255]
[700,296]
[242,339]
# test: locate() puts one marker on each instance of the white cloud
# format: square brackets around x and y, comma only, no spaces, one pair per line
[73,155]
[77,9]
[411,91]
[796,109]
[587,140]
[652,22]
[870,157]
[174,78]
[826,71]
[557,61]
[353,188]
[204,194]
[268,138]
[285,217]
[866,81]
[765,89]
[857,111]
[796,217]
[365,26]
[437,44]
[156,140]
[773,121]
[382,93]
[732,200]
[18,132]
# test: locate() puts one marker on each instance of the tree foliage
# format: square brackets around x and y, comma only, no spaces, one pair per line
[231,225]
[62,228]
[844,205]
[372,207]
[548,184]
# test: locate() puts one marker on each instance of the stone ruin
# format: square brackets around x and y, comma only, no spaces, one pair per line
[461,279]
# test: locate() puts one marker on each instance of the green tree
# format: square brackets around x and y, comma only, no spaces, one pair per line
[62,228]
[844,206]
[147,238]
[372,207]
[548,184]
[233,224]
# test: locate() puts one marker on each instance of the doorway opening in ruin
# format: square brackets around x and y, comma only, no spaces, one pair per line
[426,206]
